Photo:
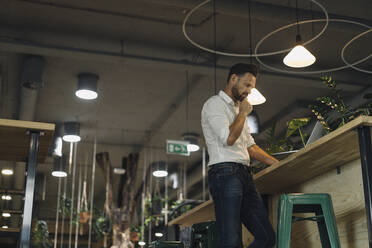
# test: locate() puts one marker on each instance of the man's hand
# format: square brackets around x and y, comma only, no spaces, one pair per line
[245,107]
[258,154]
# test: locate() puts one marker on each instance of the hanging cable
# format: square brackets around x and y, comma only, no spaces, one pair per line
[78,210]
[312,18]
[57,214]
[298,25]
[250,31]
[64,191]
[72,195]
[143,195]
[92,191]
[215,46]
[187,101]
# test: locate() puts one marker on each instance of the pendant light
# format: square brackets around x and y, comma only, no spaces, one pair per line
[299,56]
[6,197]
[255,97]
[192,138]
[7,172]
[71,132]
[59,166]
[87,86]
[159,169]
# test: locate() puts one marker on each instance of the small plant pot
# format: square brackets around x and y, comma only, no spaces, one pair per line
[84,217]
[156,208]
[134,236]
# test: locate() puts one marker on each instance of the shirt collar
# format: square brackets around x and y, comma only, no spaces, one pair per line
[226,98]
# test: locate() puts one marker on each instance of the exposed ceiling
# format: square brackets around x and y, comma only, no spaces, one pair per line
[142,58]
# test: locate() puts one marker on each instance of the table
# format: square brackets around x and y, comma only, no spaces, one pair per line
[348,143]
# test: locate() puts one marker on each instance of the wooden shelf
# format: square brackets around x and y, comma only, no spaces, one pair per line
[15,140]
[327,153]
[330,151]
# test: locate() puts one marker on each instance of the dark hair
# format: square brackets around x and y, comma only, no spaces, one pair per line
[240,69]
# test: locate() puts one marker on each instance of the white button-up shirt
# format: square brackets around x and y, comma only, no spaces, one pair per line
[218,113]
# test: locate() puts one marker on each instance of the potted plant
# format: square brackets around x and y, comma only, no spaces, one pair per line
[40,235]
[135,233]
[156,206]
[332,111]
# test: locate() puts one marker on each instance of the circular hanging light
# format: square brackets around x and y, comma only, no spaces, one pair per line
[141,243]
[6,214]
[87,86]
[7,171]
[59,166]
[158,234]
[72,132]
[192,138]
[255,97]
[159,169]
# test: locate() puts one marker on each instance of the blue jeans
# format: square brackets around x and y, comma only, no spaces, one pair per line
[236,201]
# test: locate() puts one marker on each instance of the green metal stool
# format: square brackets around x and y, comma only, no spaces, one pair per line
[166,244]
[204,235]
[320,204]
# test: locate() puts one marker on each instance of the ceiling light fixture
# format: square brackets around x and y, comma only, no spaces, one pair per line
[59,166]
[6,214]
[6,197]
[87,86]
[5,227]
[141,243]
[71,132]
[159,169]
[7,172]
[255,97]
[192,138]
[299,56]
[158,234]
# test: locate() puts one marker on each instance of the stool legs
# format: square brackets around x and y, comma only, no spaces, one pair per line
[320,204]
[284,222]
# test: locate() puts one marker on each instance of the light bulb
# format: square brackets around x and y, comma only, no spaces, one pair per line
[160,173]
[86,94]
[158,234]
[141,243]
[192,147]
[71,138]
[59,174]
[7,171]
[6,215]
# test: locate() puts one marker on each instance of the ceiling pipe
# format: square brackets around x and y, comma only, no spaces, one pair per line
[260,11]
[162,57]
[30,83]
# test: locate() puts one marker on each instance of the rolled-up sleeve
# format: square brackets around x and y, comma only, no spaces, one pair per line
[250,141]
[217,120]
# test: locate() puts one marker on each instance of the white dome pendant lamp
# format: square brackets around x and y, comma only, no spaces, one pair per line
[299,56]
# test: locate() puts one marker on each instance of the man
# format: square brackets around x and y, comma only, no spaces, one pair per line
[230,147]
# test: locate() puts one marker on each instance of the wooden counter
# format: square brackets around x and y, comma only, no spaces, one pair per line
[335,149]
[15,141]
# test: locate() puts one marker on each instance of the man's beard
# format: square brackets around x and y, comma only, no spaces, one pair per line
[236,95]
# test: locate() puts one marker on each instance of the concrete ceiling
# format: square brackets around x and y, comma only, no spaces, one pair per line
[141,56]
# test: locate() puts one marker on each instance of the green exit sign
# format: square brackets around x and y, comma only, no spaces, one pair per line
[177,147]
